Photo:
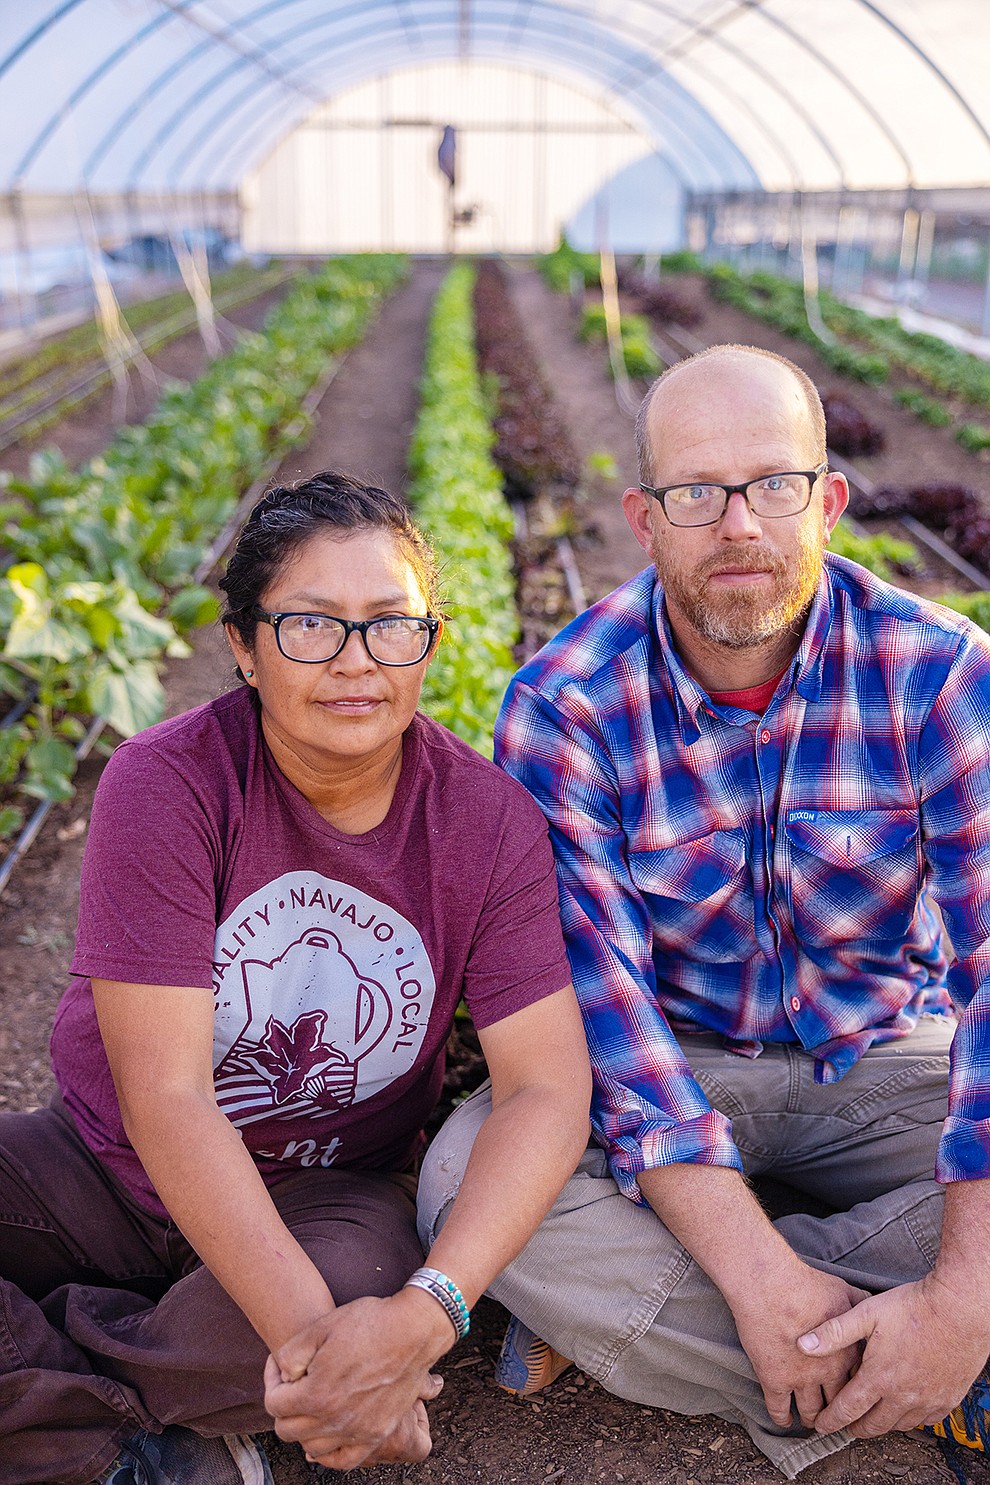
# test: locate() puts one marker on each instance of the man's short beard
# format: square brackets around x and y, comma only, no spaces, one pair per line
[744,620]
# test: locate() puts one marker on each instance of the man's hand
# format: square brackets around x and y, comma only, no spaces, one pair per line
[923,1351]
[769,1324]
[773,1294]
[350,1387]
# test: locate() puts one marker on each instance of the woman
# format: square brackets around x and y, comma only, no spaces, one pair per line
[215,1217]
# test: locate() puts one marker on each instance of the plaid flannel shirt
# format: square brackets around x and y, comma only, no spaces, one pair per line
[766,878]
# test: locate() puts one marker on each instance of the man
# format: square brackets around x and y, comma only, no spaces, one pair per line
[760,766]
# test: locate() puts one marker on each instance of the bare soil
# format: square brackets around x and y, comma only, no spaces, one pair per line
[574,1433]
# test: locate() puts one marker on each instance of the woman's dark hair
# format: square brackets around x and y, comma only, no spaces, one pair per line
[288,515]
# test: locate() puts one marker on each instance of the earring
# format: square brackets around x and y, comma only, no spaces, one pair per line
[248,674]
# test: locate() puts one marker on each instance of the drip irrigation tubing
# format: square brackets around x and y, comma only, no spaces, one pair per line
[20,707]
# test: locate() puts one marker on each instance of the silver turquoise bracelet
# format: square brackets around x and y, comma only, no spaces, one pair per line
[446,1293]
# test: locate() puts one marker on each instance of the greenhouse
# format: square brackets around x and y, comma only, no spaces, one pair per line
[312,127]
[442,251]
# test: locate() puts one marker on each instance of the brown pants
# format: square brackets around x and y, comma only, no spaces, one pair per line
[110,1323]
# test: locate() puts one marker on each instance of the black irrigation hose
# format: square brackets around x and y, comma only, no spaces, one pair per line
[20,707]
[565,556]
[31,830]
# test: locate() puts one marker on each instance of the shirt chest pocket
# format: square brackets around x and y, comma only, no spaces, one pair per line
[699,896]
[854,874]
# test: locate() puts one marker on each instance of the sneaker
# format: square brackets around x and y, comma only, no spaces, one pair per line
[969,1424]
[177,1456]
[525,1363]
[966,1427]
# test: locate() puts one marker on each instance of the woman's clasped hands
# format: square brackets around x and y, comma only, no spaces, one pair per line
[351,1386]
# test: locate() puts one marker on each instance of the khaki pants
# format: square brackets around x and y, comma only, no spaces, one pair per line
[606,1284]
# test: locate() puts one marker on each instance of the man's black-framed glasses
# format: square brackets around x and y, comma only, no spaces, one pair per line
[312,639]
[771,497]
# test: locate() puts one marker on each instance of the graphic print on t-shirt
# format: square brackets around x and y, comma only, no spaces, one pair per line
[321,997]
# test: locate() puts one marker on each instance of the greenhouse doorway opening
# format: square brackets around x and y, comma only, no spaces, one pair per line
[535,155]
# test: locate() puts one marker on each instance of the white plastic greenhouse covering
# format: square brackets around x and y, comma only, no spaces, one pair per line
[119,103]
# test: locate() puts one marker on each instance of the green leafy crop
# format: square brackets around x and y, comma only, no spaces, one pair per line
[456,492]
[565,265]
[96,555]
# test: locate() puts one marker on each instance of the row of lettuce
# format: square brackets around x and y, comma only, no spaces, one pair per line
[947,386]
[99,561]
[938,382]
[455,491]
[56,364]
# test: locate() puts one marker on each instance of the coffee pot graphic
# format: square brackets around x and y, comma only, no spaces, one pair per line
[307,1052]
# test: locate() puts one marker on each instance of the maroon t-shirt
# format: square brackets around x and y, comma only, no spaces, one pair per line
[336,961]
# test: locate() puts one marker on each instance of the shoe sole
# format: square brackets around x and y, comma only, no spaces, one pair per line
[249,1458]
[542,1365]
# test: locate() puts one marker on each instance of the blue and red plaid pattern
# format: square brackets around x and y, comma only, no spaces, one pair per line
[767,878]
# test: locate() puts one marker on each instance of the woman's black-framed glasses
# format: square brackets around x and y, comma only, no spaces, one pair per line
[772,497]
[312,639]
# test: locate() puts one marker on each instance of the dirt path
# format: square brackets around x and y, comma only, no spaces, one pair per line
[575,1433]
